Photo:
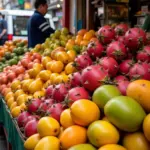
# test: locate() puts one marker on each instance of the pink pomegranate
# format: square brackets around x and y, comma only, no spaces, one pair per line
[55,111]
[106,34]
[75,94]
[22,117]
[46,104]
[60,91]
[82,61]
[120,78]
[135,38]
[125,66]
[33,105]
[49,91]
[75,79]
[144,54]
[92,77]
[121,29]
[122,86]
[29,118]
[117,50]
[140,71]
[109,64]
[95,49]
[31,128]
[120,39]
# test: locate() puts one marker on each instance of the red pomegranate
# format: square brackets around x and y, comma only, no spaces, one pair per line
[95,49]
[22,117]
[75,79]
[75,94]
[125,66]
[117,50]
[92,77]
[33,105]
[135,38]
[106,34]
[60,91]
[55,111]
[82,61]
[31,128]
[140,71]
[120,78]
[109,64]
[49,91]
[121,29]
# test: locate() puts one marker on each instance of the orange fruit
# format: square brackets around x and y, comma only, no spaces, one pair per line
[135,141]
[18,92]
[9,95]
[57,67]
[83,108]
[13,105]
[39,94]
[15,112]
[32,141]
[45,75]
[69,68]
[138,90]
[88,36]
[82,32]
[112,147]
[10,101]
[72,55]
[65,119]
[146,125]
[84,43]
[21,99]
[45,60]
[48,126]
[48,143]
[101,133]
[72,136]
[15,84]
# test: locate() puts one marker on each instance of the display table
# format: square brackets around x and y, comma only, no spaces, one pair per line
[13,134]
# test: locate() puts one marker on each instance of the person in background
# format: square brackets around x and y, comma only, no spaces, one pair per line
[38,27]
[3,30]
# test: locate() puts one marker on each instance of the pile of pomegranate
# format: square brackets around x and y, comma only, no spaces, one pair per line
[120,56]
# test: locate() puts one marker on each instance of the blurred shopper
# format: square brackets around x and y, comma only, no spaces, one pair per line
[38,27]
[3,30]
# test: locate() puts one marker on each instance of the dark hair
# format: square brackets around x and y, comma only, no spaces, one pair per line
[39,2]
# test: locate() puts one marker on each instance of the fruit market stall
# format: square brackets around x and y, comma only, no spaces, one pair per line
[90,89]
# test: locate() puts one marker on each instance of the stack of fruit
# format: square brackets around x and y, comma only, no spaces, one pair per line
[82,91]
[12,52]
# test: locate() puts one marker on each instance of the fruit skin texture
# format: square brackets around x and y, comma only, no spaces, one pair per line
[139,90]
[134,38]
[122,112]
[66,119]
[32,141]
[135,141]
[109,64]
[112,147]
[82,147]
[101,133]
[48,126]
[75,94]
[146,125]
[31,128]
[92,77]
[117,50]
[106,34]
[48,143]
[77,134]
[104,93]
[84,112]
